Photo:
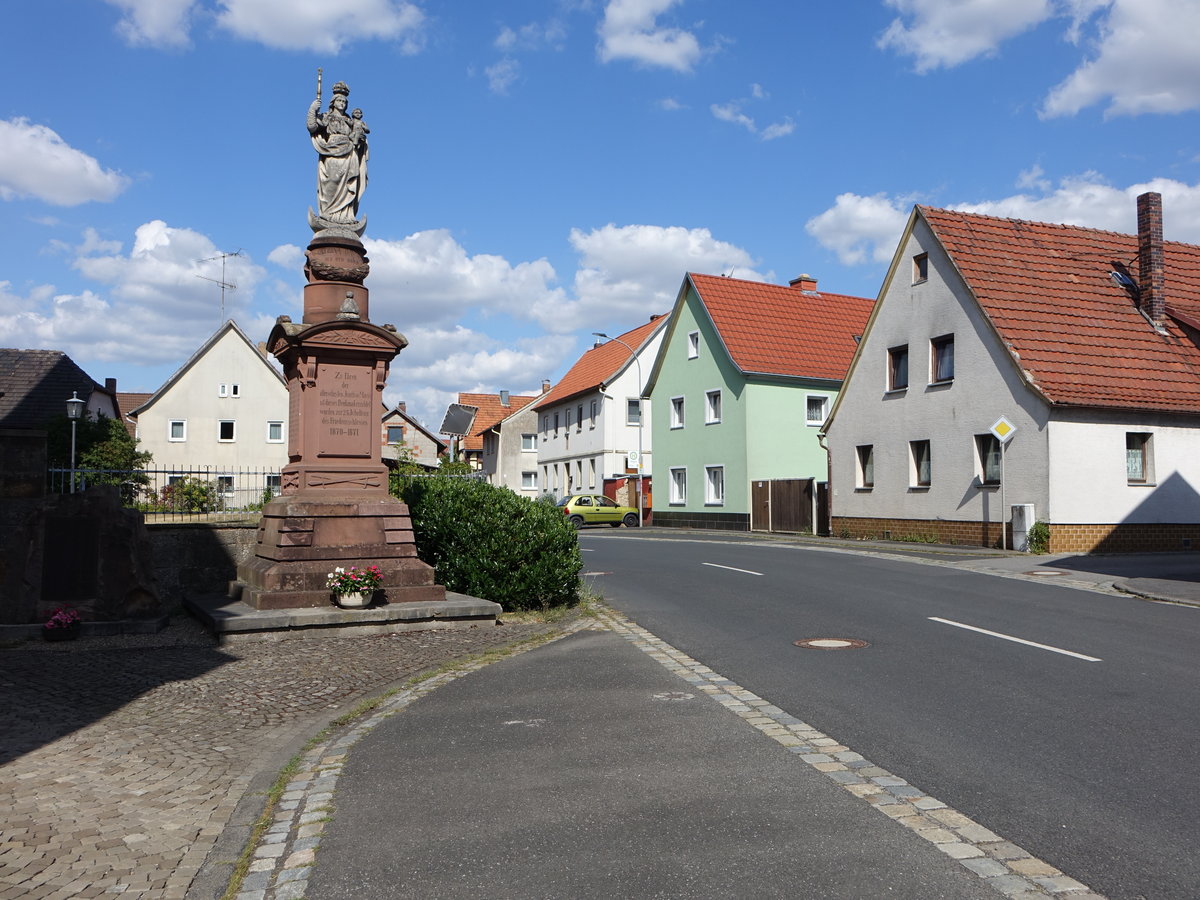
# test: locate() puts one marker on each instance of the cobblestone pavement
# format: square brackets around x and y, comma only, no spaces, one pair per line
[122,759]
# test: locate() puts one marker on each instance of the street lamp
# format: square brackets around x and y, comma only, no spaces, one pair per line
[641,416]
[74,411]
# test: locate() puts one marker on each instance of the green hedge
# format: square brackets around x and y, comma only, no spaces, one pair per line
[487,542]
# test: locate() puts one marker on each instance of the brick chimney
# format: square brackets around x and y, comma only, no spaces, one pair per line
[402,406]
[110,385]
[1151,287]
[804,283]
[545,385]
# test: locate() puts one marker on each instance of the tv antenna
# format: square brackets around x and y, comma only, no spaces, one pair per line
[225,285]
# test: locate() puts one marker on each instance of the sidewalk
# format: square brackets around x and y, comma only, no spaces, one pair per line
[609,764]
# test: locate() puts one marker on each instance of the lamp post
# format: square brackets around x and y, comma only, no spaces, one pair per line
[74,411]
[641,416]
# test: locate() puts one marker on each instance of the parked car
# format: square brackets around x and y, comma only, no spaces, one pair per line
[596,509]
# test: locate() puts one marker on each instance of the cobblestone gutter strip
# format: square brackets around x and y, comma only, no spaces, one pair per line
[1000,864]
[282,858]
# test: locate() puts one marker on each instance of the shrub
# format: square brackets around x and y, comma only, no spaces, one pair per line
[1039,537]
[190,494]
[486,541]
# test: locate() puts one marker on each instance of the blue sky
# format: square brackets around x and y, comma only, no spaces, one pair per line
[541,170]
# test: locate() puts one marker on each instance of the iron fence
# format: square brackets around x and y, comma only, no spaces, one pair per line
[178,494]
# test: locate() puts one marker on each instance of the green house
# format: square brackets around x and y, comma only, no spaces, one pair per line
[741,386]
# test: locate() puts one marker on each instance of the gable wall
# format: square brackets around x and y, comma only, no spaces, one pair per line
[195,398]
[985,386]
[697,444]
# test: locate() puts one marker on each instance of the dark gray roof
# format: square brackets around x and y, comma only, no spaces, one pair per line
[35,386]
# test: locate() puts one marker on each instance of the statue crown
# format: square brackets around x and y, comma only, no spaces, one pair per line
[341,88]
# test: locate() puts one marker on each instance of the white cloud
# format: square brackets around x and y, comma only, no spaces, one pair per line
[946,33]
[323,27]
[628,272]
[440,362]
[732,112]
[429,278]
[866,229]
[1145,61]
[36,162]
[670,104]
[533,36]
[502,74]
[154,23]
[287,256]
[860,229]
[630,30]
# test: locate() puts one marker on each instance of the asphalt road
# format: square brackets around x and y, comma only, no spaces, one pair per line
[1091,764]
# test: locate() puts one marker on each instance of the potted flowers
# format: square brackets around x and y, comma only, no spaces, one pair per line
[352,587]
[64,625]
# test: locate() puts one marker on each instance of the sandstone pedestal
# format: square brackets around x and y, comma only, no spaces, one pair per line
[335,509]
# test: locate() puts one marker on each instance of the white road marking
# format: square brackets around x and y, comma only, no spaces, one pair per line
[586,550]
[731,568]
[1009,637]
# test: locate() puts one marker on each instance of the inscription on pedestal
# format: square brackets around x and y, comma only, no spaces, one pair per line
[344,405]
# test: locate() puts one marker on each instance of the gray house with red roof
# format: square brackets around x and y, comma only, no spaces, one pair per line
[1081,345]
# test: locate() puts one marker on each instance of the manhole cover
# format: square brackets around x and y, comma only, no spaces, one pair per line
[1043,573]
[831,644]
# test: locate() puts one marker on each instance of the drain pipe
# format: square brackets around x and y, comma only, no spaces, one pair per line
[828,477]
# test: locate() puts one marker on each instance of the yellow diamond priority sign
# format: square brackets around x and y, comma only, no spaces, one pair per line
[1003,430]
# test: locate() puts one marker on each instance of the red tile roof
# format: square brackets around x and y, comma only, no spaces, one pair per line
[1077,334]
[490,412]
[128,402]
[598,365]
[769,329]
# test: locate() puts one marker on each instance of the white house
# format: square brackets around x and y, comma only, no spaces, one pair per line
[510,448]
[595,422]
[1086,342]
[224,413]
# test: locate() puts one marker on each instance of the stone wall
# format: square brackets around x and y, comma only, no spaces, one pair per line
[195,559]
[22,497]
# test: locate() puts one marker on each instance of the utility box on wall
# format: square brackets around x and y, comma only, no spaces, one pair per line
[1022,521]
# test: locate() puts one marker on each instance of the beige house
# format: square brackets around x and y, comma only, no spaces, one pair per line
[224,414]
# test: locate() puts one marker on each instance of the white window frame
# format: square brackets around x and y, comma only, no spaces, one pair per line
[274,484]
[226,485]
[235,390]
[233,431]
[678,486]
[529,443]
[223,390]
[1145,450]
[591,474]
[914,463]
[282,433]
[171,423]
[529,481]
[809,398]
[630,404]
[592,421]
[678,410]
[712,407]
[714,487]
[693,345]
